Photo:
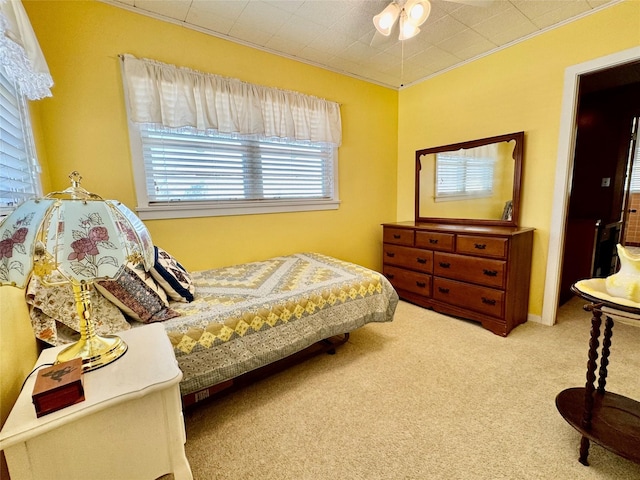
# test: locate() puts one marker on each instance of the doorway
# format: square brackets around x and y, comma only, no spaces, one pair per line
[564,169]
[608,103]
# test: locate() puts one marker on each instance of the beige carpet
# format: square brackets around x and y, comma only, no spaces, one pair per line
[424,397]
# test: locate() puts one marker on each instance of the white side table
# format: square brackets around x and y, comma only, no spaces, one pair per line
[129,426]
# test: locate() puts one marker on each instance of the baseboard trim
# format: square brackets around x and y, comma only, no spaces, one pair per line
[538,319]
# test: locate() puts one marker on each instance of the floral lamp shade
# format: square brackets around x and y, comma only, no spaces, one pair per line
[76,235]
[81,239]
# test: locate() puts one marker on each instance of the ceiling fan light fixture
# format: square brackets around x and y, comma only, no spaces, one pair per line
[385,20]
[418,11]
[407,28]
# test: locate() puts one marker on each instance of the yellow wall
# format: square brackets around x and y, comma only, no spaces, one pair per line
[18,352]
[84,127]
[518,88]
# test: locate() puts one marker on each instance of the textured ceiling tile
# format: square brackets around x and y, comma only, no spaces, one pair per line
[383,59]
[409,47]
[324,12]
[250,34]
[345,65]
[441,29]
[205,19]
[263,16]
[169,8]
[466,44]
[563,11]
[471,15]
[301,30]
[505,25]
[513,33]
[317,56]
[290,6]
[225,8]
[432,55]
[353,26]
[355,52]
[332,42]
[284,45]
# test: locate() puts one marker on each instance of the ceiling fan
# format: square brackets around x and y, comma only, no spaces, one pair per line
[411,14]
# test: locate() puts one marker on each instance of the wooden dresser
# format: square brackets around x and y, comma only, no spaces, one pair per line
[479,273]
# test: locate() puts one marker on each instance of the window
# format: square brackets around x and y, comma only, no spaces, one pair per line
[19,179]
[460,176]
[205,145]
[221,172]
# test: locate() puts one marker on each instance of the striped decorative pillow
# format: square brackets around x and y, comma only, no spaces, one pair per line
[137,295]
[172,277]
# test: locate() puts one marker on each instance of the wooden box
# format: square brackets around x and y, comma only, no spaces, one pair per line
[58,386]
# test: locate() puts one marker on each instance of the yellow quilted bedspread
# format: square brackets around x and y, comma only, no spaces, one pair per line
[246,316]
[239,300]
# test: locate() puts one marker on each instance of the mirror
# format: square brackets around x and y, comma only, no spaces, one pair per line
[475,182]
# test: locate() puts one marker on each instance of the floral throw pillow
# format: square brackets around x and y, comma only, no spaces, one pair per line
[137,295]
[54,317]
[172,277]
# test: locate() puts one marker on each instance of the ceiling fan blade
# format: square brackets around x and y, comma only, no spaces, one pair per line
[379,40]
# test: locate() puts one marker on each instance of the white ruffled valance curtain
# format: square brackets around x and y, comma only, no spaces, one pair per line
[20,52]
[178,97]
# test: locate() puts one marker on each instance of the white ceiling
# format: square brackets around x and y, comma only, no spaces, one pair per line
[339,34]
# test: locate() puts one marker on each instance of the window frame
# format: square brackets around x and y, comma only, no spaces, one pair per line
[147,210]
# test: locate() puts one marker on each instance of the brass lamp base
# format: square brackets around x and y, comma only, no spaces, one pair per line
[96,351]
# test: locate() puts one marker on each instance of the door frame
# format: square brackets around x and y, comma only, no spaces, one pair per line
[630,165]
[564,172]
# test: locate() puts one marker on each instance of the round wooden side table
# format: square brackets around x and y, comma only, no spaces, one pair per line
[606,418]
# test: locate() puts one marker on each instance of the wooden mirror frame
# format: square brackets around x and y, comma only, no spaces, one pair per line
[518,157]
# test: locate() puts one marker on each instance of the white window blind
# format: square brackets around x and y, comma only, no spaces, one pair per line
[187,166]
[460,176]
[19,179]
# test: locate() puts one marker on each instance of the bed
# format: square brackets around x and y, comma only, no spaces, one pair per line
[243,318]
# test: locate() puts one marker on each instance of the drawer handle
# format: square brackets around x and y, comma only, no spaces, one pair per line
[390,254]
[443,290]
[421,284]
[421,260]
[488,301]
[390,276]
[433,240]
[490,273]
[396,235]
[480,246]
[444,264]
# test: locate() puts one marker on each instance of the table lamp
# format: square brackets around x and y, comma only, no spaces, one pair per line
[75,237]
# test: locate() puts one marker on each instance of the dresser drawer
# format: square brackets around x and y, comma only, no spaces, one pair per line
[413,258]
[483,271]
[472,297]
[435,241]
[484,246]
[399,236]
[415,282]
